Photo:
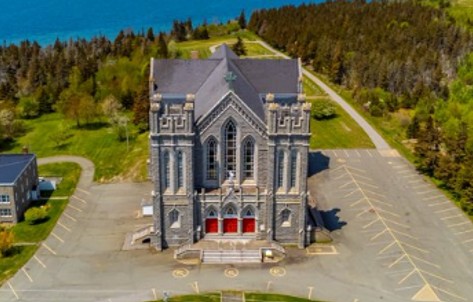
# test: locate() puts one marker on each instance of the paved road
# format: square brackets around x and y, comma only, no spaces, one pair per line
[377,140]
[397,239]
[88,168]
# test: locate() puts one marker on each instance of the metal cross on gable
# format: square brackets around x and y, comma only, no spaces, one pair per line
[230,77]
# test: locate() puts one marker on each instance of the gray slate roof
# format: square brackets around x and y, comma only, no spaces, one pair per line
[206,79]
[11,166]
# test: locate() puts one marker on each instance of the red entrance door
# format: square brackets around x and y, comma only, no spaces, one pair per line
[248,225]
[230,225]
[211,225]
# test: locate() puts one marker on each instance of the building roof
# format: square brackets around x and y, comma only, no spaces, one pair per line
[207,79]
[12,165]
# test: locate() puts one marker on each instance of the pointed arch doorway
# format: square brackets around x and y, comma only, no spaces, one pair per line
[230,220]
[249,221]
[211,222]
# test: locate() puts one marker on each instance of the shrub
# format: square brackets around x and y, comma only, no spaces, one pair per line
[6,241]
[36,215]
[323,109]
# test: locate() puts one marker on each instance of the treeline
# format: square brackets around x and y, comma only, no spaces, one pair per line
[87,80]
[393,55]
[408,50]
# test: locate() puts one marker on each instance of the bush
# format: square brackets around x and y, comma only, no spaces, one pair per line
[36,215]
[323,109]
[6,241]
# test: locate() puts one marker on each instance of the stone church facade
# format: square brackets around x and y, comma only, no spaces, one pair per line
[228,150]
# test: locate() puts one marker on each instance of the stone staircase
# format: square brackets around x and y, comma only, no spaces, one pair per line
[231,256]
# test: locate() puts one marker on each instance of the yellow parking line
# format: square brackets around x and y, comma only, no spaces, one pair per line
[426,262]
[48,248]
[458,224]
[381,202]
[70,217]
[396,223]
[464,232]
[415,247]
[351,193]
[450,217]
[404,234]
[26,274]
[83,191]
[449,293]
[407,276]
[397,261]
[438,203]
[79,199]
[437,276]
[13,290]
[75,208]
[65,227]
[444,210]
[469,240]
[39,261]
[387,247]
[379,234]
[57,237]
[388,212]
[357,202]
[371,223]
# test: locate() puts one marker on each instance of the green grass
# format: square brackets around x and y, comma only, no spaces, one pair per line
[310,88]
[249,297]
[338,132]
[34,234]
[255,49]
[99,144]
[10,265]
[70,173]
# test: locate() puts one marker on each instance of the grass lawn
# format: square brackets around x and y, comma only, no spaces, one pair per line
[214,297]
[98,143]
[338,132]
[34,234]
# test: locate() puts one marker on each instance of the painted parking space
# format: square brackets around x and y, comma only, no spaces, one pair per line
[416,270]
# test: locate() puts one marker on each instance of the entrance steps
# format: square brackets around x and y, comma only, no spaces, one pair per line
[231,256]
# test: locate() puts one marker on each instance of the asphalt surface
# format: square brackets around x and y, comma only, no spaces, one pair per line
[396,238]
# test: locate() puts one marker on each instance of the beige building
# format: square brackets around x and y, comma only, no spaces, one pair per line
[18,185]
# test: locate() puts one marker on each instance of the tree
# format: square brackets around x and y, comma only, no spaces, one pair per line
[141,107]
[239,48]
[323,109]
[28,107]
[6,241]
[7,119]
[36,215]
[150,34]
[242,20]
[162,47]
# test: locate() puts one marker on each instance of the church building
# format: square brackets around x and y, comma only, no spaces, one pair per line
[229,141]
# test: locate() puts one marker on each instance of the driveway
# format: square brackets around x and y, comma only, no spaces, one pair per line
[396,238]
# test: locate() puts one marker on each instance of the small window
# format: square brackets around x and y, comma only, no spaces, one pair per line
[286,218]
[5,213]
[175,219]
[4,198]
[293,169]
[212,214]
[281,171]
[249,214]
[230,212]
[212,159]
[180,170]
[167,171]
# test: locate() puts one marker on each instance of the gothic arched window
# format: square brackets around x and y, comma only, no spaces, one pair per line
[293,168]
[212,159]
[280,178]
[248,159]
[230,148]
[180,170]
[167,170]
[286,218]
[175,219]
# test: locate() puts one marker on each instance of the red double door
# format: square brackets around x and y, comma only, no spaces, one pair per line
[230,225]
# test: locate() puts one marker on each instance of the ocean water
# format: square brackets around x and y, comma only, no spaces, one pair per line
[46,20]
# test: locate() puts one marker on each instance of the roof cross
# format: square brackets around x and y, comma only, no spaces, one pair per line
[230,77]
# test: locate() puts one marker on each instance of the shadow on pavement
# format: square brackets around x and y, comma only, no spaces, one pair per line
[318,162]
[331,220]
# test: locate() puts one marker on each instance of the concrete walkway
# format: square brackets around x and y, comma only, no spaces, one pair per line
[377,140]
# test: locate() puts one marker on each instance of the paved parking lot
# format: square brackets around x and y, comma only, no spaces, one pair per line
[396,238]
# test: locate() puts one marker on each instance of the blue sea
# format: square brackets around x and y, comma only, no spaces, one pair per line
[46,20]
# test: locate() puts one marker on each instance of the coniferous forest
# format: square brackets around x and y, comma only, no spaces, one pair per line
[392,55]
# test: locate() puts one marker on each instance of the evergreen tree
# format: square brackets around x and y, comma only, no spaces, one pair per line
[242,20]
[150,34]
[239,48]
[162,47]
